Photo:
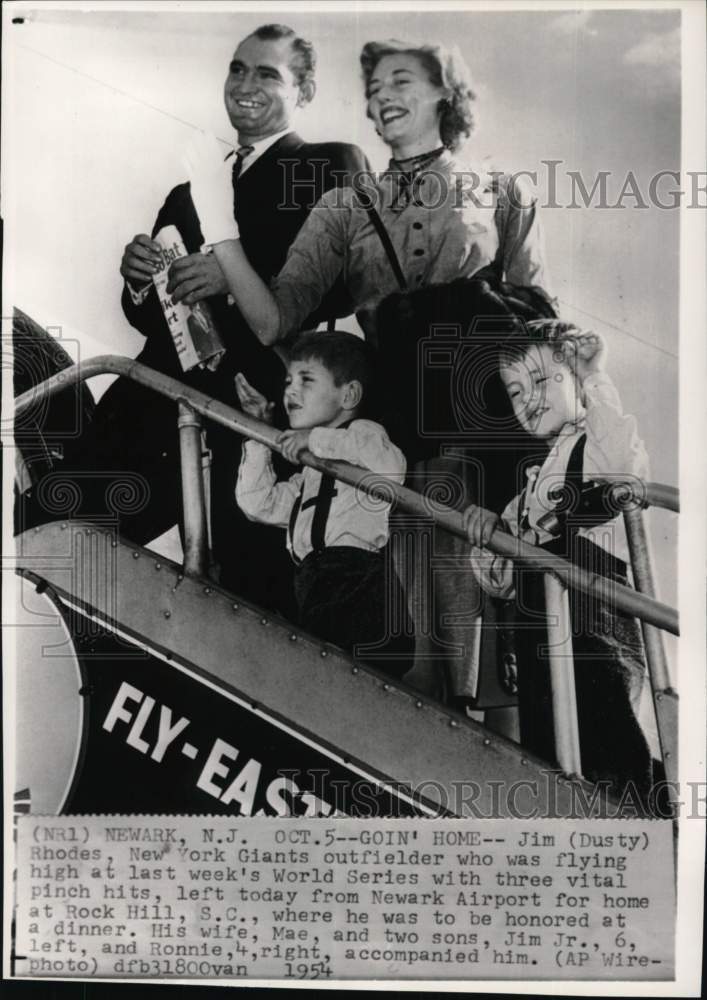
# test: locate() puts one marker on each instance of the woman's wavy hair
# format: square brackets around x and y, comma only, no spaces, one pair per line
[446,68]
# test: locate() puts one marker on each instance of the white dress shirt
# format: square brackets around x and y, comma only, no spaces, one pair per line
[355,518]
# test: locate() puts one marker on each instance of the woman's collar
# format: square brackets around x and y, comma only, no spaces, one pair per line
[414,164]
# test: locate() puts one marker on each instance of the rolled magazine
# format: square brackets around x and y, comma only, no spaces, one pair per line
[195,336]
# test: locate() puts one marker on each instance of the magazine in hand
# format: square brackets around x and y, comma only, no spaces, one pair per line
[195,336]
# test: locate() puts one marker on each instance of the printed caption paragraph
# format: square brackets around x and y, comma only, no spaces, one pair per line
[212,897]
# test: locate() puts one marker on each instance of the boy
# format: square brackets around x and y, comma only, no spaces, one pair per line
[560,394]
[335,534]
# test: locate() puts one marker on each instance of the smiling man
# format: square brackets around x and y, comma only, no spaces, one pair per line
[277,178]
[260,100]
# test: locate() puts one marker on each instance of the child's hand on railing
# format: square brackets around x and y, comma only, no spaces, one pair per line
[585,354]
[480,524]
[253,403]
[293,443]
[494,573]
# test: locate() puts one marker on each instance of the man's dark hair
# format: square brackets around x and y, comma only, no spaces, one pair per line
[304,58]
[346,356]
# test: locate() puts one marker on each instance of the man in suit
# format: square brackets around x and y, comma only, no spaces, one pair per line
[278,178]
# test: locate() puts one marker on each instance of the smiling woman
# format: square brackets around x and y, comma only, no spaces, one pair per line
[417,96]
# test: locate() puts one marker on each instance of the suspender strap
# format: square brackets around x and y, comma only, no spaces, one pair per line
[500,219]
[595,503]
[367,204]
[575,463]
[556,522]
[574,477]
[322,507]
[388,247]
[293,520]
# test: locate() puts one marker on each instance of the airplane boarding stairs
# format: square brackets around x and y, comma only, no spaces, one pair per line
[185,699]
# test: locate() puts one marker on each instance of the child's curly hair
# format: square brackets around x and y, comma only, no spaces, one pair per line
[446,68]
[539,331]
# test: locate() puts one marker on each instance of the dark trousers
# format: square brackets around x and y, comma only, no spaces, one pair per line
[353,599]
[609,671]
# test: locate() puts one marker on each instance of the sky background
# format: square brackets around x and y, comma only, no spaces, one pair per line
[100,105]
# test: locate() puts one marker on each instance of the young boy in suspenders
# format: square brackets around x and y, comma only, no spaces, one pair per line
[560,394]
[346,591]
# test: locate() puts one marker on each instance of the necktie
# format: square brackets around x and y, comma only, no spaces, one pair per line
[241,154]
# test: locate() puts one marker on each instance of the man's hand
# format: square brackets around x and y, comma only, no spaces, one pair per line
[141,259]
[253,402]
[585,354]
[293,443]
[195,277]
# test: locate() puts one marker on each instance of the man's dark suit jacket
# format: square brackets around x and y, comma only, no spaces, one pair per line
[135,429]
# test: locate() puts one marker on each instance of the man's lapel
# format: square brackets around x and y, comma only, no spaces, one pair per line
[266,165]
[285,146]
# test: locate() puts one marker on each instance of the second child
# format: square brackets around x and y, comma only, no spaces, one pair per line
[561,395]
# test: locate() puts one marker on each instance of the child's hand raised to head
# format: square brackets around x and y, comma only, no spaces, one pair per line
[293,443]
[585,353]
[253,402]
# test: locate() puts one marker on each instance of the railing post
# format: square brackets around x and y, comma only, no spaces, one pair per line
[564,696]
[664,696]
[195,530]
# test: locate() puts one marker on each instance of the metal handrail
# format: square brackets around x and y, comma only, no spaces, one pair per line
[623,598]
[660,495]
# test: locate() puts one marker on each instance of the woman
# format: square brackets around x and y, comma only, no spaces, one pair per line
[445,222]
